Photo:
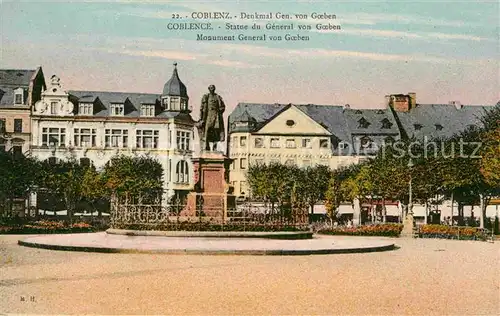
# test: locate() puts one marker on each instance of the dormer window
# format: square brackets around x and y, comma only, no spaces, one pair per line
[363,123]
[148,110]
[366,142]
[417,126]
[386,124]
[86,109]
[358,112]
[439,127]
[184,105]
[19,96]
[117,109]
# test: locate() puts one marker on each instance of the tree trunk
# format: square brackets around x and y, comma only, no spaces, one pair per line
[482,212]
[384,211]
[426,212]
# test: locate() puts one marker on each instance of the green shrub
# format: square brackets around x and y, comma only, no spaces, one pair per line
[386,230]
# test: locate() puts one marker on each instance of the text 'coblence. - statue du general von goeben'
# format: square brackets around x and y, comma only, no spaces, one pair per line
[211,123]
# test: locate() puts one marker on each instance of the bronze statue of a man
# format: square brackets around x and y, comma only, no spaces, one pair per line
[211,123]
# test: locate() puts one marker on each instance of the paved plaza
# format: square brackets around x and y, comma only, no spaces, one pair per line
[423,276]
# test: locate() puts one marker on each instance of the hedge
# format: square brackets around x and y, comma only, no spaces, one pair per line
[386,230]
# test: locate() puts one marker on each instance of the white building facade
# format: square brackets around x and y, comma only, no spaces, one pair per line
[93,126]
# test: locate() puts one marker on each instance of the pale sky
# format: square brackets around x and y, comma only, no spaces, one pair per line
[443,51]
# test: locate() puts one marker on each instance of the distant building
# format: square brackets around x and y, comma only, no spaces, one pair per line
[93,126]
[333,135]
[19,91]
[304,135]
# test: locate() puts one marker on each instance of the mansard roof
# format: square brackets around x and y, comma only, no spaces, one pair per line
[12,79]
[428,117]
[131,101]
[16,77]
[374,117]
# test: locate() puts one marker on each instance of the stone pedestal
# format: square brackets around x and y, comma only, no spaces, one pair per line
[408,226]
[210,195]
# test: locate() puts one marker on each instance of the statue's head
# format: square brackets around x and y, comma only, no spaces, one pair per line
[211,88]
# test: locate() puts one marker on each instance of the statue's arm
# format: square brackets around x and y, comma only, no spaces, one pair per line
[203,106]
[222,106]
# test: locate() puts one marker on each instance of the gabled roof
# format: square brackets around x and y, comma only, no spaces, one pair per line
[453,119]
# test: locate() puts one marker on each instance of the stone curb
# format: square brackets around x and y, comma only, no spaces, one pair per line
[276,252]
[227,234]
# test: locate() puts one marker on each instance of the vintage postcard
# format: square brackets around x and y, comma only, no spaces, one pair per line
[249,157]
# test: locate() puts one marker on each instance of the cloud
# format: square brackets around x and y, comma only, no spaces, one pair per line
[408,35]
[159,53]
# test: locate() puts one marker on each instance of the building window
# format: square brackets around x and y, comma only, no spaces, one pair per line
[386,124]
[363,123]
[53,107]
[290,143]
[18,125]
[147,138]
[243,141]
[85,162]
[306,143]
[417,126]
[117,138]
[290,162]
[182,172]
[148,110]
[243,163]
[18,97]
[17,150]
[275,143]
[343,145]
[85,137]
[53,137]
[243,187]
[2,126]
[52,160]
[175,104]
[323,143]
[366,142]
[86,109]
[259,142]
[259,162]
[117,109]
[183,140]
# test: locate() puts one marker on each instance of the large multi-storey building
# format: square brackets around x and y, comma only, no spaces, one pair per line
[332,135]
[93,126]
[19,91]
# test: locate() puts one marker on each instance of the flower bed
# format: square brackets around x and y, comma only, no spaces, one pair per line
[207,226]
[46,227]
[386,230]
[451,232]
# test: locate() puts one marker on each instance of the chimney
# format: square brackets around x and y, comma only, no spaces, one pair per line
[400,102]
[457,104]
[413,99]
[347,106]
[387,100]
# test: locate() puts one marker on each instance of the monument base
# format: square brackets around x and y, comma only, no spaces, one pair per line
[408,227]
[210,196]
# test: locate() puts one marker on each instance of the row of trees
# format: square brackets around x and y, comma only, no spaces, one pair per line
[465,168]
[72,184]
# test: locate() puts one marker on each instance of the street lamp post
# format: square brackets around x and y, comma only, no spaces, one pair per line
[408,221]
